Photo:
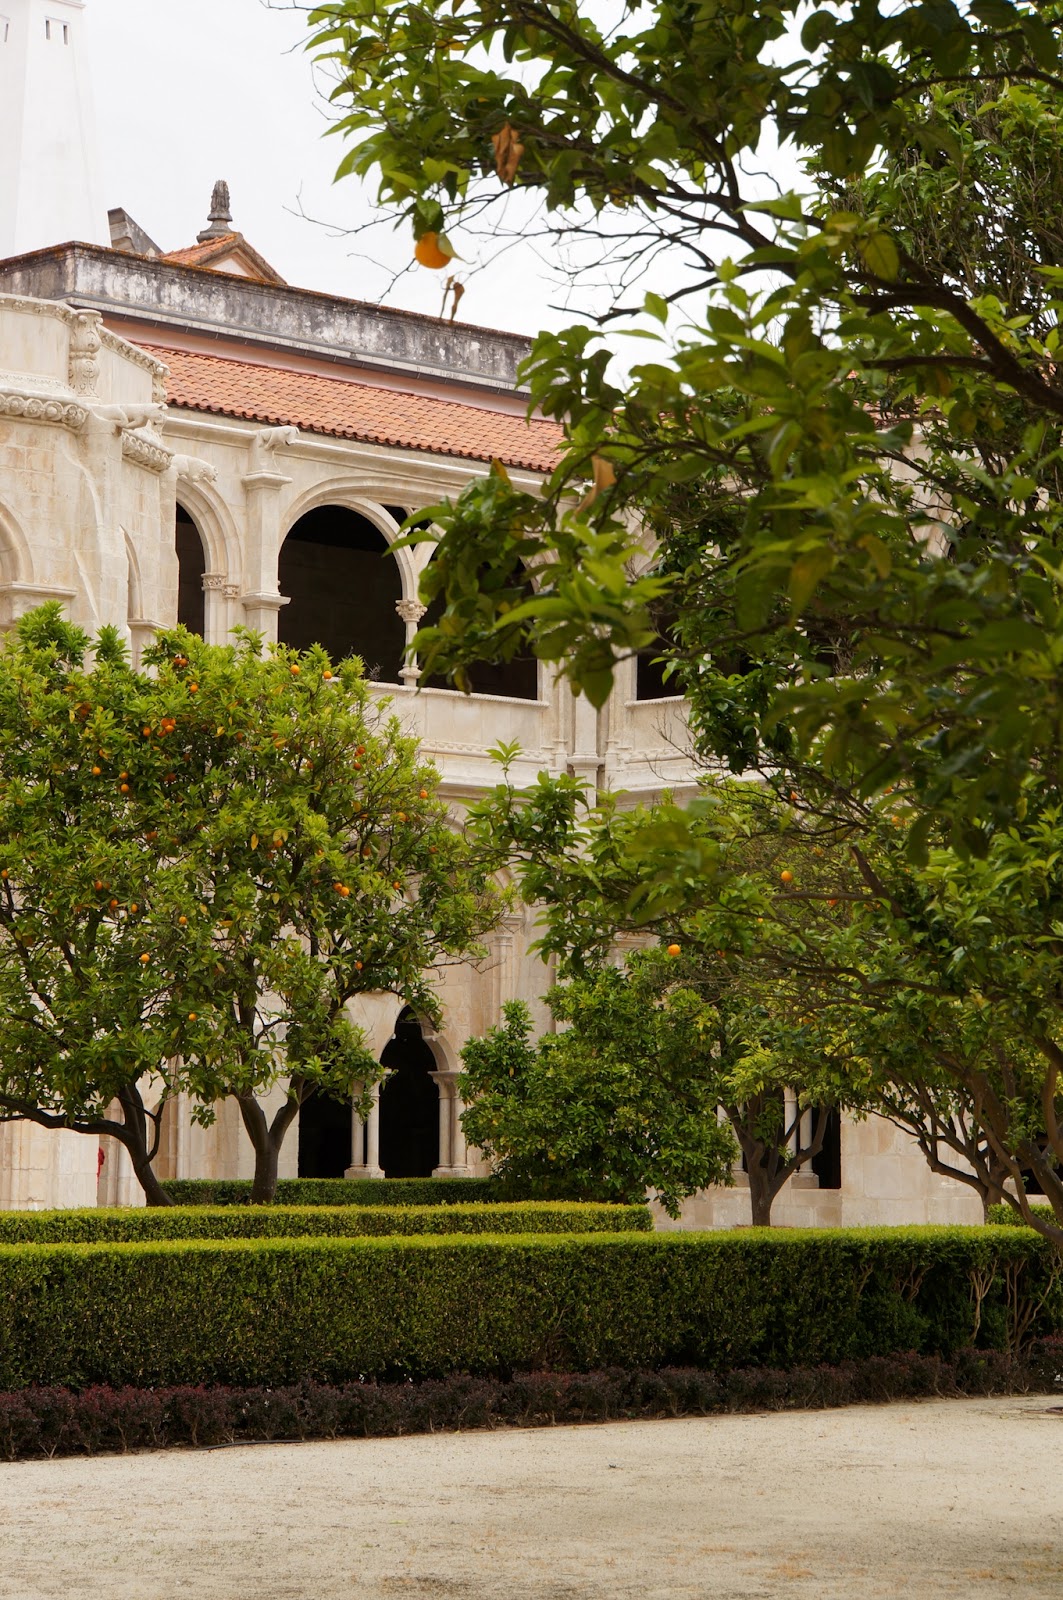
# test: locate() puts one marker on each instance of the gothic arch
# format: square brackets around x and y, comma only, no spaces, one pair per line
[135,584]
[16,560]
[217,529]
[343,586]
[352,497]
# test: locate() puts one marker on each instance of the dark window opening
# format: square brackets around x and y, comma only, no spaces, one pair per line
[827,1165]
[324,1137]
[650,680]
[518,679]
[343,586]
[409,1104]
[191,565]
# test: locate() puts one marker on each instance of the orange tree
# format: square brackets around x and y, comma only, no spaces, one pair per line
[202,867]
[326,867]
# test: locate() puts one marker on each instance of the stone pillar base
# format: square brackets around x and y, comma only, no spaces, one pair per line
[451,1172]
[364,1172]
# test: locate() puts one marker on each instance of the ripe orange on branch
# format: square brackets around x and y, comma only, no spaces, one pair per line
[428,252]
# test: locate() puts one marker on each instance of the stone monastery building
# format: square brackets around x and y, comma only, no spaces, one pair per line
[186,437]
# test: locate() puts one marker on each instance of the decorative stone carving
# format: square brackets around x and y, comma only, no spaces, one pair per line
[232,591]
[145,452]
[411,611]
[265,443]
[220,218]
[190,469]
[216,582]
[131,416]
[43,408]
[85,345]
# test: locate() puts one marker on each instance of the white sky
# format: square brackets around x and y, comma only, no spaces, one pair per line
[188,91]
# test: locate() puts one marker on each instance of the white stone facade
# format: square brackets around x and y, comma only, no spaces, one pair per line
[93,467]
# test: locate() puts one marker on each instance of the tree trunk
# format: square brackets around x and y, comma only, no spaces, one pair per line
[267,1139]
[761,1196]
[134,1136]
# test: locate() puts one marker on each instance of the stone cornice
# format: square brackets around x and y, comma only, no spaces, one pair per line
[23,405]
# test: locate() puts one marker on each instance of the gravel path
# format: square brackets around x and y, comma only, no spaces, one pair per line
[946,1498]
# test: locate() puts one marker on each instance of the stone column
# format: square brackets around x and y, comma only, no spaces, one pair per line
[444,1082]
[453,1154]
[216,623]
[370,1167]
[262,489]
[504,940]
[411,612]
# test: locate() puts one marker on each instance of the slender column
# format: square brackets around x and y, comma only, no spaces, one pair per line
[444,1082]
[373,1169]
[262,488]
[790,1118]
[459,1150]
[411,612]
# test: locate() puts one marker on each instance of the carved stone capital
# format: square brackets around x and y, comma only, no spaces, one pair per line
[215,582]
[410,610]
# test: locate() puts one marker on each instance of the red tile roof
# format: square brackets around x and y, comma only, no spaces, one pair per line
[351,410]
[196,254]
[210,252]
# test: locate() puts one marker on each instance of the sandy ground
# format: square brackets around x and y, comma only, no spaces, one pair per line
[944,1498]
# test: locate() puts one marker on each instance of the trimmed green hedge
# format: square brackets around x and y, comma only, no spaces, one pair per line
[313,1222]
[280,1311]
[339,1191]
[1005,1216]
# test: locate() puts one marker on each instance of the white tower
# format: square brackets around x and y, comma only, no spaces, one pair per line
[48,166]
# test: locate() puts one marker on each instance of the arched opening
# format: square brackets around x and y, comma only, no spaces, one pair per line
[518,679]
[342,592]
[324,1137]
[191,565]
[827,1165]
[409,1104]
[651,682]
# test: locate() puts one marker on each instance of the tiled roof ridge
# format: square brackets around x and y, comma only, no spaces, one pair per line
[351,409]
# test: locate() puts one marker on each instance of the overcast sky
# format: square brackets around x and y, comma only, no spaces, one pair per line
[188,91]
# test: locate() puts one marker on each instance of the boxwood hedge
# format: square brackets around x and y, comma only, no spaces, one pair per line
[340,1191]
[1005,1216]
[314,1222]
[269,1311]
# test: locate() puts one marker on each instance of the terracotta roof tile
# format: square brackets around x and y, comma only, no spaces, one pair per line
[197,253]
[214,254]
[352,410]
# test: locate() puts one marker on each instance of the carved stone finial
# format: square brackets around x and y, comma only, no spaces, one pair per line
[220,221]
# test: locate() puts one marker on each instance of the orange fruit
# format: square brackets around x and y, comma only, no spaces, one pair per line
[424,794]
[123,788]
[98,885]
[400,816]
[96,771]
[427,253]
[358,966]
[193,688]
[134,908]
[144,960]
[191,1016]
[4,874]
[327,676]
[114,905]
[344,892]
[674,949]
[182,922]
[786,877]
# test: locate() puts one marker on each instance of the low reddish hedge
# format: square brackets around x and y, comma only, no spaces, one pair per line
[58,1422]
